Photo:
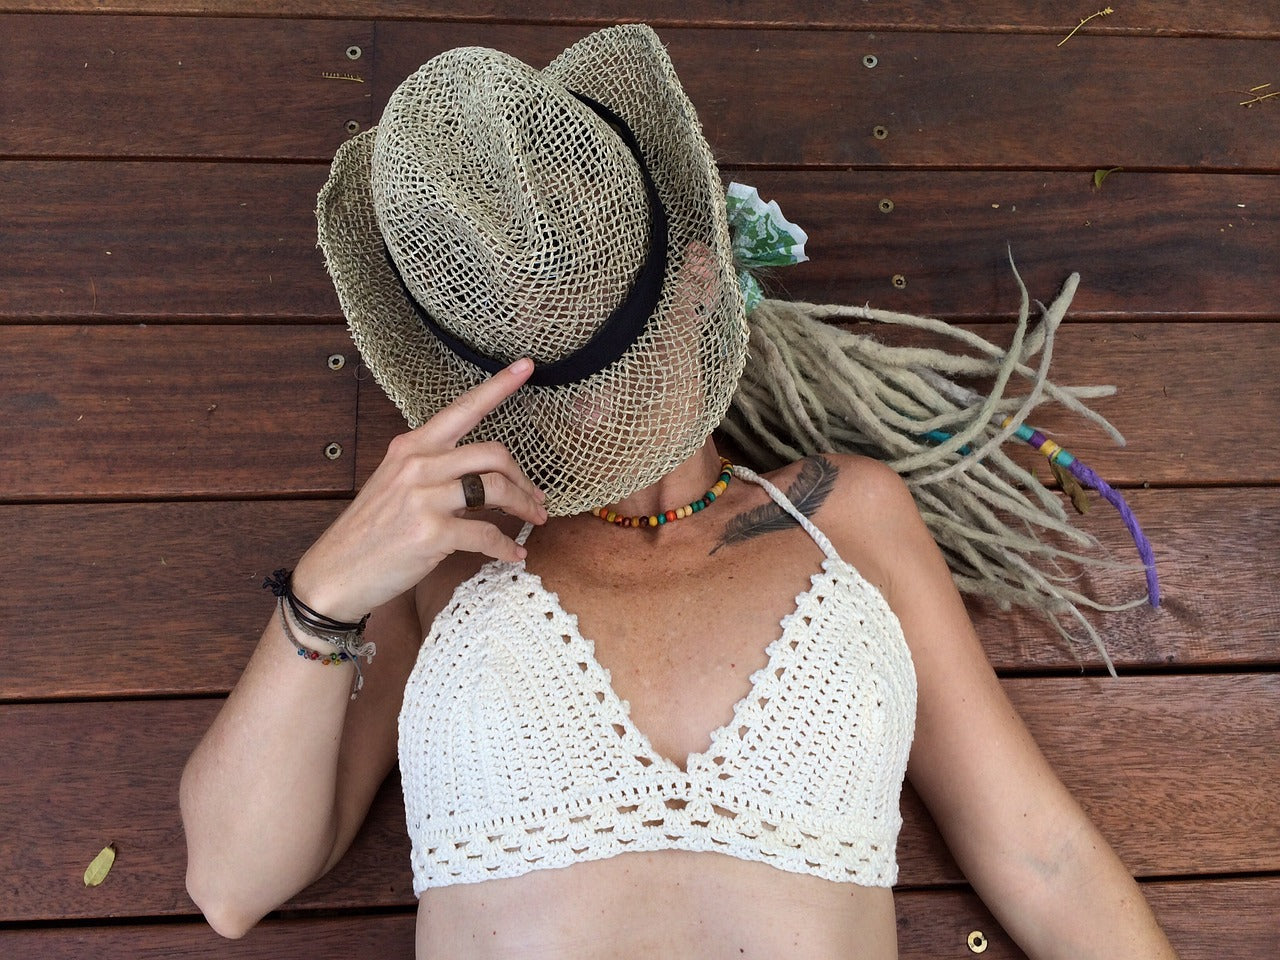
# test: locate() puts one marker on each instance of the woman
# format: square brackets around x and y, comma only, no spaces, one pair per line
[687,739]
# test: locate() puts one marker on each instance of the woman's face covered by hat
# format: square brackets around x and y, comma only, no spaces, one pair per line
[572,215]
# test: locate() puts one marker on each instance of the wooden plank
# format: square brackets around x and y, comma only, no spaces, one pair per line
[150,86]
[1205,919]
[196,240]
[1192,397]
[1178,772]
[97,241]
[1207,242]
[228,87]
[94,574]
[1251,18]
[113,412]
[90,574]
[1096,102]
[1217,556]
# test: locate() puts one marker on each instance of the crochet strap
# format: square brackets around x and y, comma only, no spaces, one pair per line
[523,535]
[781,500]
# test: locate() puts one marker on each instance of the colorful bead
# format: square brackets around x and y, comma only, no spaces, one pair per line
[670,516]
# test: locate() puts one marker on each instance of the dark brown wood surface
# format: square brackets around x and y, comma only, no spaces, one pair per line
[1206,919]
[139,411]
[1181,784]
[198,241]
[166,325]
[229,87]
[166,87]
[100,242]
[1246,18]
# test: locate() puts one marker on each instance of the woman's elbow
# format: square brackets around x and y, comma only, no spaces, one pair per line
[227,918]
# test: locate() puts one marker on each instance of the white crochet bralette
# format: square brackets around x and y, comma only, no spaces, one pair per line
[516,754]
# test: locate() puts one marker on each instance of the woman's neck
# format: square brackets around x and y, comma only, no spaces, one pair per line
[686,483]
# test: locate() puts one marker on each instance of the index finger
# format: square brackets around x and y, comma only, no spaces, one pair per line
[454,422]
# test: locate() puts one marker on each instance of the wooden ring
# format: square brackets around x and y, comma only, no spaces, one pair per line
[473,491]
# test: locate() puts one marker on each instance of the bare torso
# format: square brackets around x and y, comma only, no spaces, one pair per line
[695,626]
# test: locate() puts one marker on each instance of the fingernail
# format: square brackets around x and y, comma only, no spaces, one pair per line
[523,365]
[521,552]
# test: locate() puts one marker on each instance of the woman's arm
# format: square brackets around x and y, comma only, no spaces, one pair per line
[274,793]
[1024,843]
[277,788]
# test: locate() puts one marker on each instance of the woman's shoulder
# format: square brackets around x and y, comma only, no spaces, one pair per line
[863,507]
[846,490]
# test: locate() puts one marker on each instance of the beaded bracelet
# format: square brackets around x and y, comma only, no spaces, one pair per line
[342,635]
[347,651]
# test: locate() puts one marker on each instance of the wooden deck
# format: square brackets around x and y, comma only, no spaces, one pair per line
[168,395]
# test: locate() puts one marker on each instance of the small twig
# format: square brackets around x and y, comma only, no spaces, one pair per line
[342,76]
[1104,12]
[1265,96]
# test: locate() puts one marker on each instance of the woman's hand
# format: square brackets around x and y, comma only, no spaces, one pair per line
[411,513]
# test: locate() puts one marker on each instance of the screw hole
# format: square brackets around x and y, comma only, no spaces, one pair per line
[337,361]
[333,451]
[900,281]
[886,205]
[977,942]
[354,52]
[353,126]
[869,61]
[880,133]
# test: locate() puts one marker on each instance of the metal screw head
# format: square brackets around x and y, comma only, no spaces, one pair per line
[337,361]
[333,451]
[886,205]
[353,126]
[354,52]
[880,132]
[869,61]
[900,281]
[977,941]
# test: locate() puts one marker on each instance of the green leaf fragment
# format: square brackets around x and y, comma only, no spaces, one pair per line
[100,866]
[1100,175]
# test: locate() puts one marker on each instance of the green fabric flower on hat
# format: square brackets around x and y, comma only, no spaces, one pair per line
[761,236]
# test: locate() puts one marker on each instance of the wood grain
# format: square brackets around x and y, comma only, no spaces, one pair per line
[1178,773]
[1176,246]
[228,87]
[1194,400]
[785,97]
[1205,920]
[100,241]
[113,412]
[180,87]
[174,586]
[1250,18]
[209,240]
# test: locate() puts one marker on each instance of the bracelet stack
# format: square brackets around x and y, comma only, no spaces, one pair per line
[344,636]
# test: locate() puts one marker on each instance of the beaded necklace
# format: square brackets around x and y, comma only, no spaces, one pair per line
[658,519]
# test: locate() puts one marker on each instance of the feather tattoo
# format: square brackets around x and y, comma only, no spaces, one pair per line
[808,492]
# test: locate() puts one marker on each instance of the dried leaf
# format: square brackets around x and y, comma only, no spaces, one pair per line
[1071,487]
[101,866]
[1100,175]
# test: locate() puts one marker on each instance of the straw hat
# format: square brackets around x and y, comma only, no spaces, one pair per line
[573,215]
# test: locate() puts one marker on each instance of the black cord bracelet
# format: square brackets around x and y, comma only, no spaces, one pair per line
[280,583]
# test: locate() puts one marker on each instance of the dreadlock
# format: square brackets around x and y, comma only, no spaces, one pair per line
[906,406]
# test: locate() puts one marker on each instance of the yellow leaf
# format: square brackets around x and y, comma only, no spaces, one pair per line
[1100,175]
[101,866]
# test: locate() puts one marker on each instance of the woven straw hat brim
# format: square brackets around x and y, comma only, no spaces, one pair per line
[597,441]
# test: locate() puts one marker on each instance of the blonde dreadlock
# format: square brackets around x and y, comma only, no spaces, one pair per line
[903,405]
